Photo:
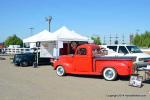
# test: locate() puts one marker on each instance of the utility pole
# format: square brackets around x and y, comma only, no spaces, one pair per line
[123,39]
[48,19]
[110,39]
[116,41]
[104,40]
[131,38]
[31,30]
[116,36]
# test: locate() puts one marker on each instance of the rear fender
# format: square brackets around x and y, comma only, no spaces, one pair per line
[120,70]
[123,69]
[108,67]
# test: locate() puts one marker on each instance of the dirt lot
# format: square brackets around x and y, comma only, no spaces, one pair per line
[27,83]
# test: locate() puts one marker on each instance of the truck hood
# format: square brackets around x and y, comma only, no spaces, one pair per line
[139,55]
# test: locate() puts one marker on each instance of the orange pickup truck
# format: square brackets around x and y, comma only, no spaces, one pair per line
[89,59]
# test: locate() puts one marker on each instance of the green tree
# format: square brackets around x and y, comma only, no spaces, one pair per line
[142,40]
[96,40]
[136,40]
[146,39]
[13,40]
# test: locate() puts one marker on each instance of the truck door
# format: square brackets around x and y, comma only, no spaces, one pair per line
[82,62]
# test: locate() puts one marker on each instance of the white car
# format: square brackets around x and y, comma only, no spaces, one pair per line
[127,50]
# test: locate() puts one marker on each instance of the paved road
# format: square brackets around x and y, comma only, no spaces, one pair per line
[27,83]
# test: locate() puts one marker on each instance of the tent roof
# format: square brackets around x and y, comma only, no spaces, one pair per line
[65,34]
[62,34]
[37,37]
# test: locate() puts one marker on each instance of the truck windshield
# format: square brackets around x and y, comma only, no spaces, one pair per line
[134,49]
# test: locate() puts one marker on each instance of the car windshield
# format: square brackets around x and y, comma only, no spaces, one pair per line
[134,49]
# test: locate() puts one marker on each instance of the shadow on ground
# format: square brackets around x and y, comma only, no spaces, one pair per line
[1,58]
[122,78]
[147,81]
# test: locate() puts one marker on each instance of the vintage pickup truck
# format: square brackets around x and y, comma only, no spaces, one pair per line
[89,59]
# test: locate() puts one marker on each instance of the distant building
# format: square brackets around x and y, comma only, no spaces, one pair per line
[2,45]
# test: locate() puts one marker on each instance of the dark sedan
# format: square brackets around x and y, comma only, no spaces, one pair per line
[28,59]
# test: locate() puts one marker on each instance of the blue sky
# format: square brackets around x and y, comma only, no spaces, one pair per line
[87,17]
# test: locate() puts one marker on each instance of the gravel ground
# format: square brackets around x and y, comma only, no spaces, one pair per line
[27,83]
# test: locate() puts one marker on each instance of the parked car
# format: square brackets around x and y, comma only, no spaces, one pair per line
[89,59]
[28,59]
[2,51]
[128,50]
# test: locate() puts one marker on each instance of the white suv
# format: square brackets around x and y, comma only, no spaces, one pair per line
[127,50]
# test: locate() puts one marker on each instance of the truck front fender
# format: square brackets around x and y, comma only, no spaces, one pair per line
[67,66]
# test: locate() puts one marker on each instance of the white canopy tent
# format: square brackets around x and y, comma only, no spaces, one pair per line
[54,41]
[62,34]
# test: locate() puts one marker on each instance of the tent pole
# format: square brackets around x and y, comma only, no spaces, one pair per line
[68,48]
[57,48]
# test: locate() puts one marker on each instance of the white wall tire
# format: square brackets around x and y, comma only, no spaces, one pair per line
[60,71]
[109,74]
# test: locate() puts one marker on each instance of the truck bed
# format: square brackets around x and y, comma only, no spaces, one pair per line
[114,57]
[138,64]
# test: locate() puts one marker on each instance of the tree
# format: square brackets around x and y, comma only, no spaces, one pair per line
[13,40]
[142,40]
[96,40]
[137,39]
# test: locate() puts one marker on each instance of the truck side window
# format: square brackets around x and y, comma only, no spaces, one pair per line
[122,49]
[114,48]
[81,51]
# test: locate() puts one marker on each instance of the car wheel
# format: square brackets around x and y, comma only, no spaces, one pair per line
[60,71]
[24,64]
[17,65]
[109,74]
